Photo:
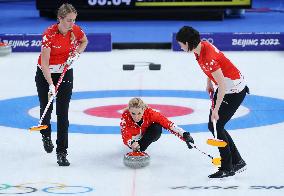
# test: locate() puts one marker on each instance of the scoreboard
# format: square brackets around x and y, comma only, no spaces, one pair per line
[130,6]
[193,3]
[171,3]
[146,3]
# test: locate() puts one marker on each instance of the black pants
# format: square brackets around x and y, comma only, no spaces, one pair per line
[62,105]
[231,102]
[152,134]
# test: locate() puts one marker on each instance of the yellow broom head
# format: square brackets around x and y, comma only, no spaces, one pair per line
[216,161]
[38,128]
[216,142]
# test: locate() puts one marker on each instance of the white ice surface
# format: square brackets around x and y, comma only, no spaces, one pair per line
[96,160]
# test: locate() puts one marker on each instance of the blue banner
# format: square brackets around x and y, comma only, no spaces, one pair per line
[241,41]
[32,42]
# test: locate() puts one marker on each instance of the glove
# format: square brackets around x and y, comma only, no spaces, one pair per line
[72,58]
[188,139]
[51,91]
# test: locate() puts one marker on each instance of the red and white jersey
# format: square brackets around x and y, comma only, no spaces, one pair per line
[130,130]
[211,59]
[59,44]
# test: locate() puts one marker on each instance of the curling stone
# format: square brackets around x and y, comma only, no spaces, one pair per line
[5,49]
[151,66]
[128,67]
[136,160]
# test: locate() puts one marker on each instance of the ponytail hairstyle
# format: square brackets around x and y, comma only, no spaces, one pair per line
[62,12]
[189,35]
[65,9]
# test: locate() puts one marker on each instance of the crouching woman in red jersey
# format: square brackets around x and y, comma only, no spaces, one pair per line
[61,43]
[230,93]
[141,125]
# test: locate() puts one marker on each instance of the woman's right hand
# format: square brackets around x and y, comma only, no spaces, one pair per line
[135,146]
[51,91]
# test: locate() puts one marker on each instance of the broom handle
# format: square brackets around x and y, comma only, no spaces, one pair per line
[212,108]
[73,49]
[56,91]
[215,130]
[194,146]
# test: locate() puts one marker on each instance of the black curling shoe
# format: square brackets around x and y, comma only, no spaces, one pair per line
[62,160]
[222,174]
[240,166]
[47,144]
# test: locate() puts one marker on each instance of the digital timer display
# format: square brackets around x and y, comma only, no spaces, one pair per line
[110,2]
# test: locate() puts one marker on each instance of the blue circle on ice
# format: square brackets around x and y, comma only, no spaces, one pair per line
[262,110]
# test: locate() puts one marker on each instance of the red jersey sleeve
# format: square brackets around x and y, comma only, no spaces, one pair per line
[213,65]
[47,38]
[211,58]
[125,129]
[163,121]
[159,118]
[46,41]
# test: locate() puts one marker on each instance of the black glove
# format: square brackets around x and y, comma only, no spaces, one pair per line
[188,139]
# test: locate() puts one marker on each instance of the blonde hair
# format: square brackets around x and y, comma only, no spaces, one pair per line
[65,9]
[137,103]
[62,12]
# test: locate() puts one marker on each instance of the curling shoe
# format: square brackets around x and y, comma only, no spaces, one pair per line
[240,166]
[222,173]
[47,144]
[61,159]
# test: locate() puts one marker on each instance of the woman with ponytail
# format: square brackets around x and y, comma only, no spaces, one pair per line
[62,44]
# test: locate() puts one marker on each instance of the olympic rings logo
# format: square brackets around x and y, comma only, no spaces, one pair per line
[209,39]
[52,188]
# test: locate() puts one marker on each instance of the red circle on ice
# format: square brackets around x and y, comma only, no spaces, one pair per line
[114,111]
